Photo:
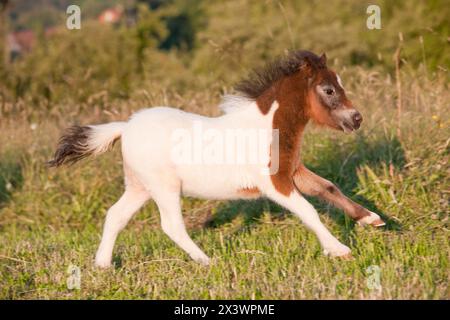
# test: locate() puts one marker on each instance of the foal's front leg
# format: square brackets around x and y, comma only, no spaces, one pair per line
[299,206]
[311,184]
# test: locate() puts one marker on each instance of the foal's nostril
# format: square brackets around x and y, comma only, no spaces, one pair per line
[357,118]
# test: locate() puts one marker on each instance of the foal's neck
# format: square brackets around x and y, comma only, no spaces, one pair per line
[290,119]
[292,97]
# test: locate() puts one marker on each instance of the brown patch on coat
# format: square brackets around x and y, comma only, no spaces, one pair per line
[285,81]
[266,100]
[290,120]
[291,81]
[249,193]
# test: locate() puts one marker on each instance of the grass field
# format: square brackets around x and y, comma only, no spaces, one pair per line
[51,219]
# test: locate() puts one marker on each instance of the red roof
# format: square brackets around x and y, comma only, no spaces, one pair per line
[25,40]
[22,40]
[110,16]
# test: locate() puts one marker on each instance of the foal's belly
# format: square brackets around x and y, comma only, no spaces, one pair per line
[217,182]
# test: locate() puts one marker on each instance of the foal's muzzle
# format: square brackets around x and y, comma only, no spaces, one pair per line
[357,119]
[350,120]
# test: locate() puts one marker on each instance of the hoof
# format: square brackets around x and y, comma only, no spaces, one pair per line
[102,263]
[373,219]
[347,257]
[202,259]
[378,223]
[338,251]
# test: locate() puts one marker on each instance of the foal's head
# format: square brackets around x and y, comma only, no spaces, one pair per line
[328,104]
[304,86]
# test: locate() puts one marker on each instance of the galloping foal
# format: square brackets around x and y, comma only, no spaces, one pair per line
[284,96]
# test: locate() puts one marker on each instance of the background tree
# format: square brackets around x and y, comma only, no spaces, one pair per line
[3,32]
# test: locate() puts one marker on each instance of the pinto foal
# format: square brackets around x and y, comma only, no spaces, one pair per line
[284,97]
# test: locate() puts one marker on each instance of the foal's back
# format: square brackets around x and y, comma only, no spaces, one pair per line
[153,137]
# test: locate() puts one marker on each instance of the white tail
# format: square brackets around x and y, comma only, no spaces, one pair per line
[101,137]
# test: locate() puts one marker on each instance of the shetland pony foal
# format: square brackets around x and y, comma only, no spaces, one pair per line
[283,96]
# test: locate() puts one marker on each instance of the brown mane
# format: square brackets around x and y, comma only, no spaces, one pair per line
[262,79]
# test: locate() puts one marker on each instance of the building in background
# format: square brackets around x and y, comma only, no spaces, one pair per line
[111,15]
[21,42]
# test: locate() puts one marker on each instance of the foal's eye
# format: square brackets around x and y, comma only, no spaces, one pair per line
[329,91]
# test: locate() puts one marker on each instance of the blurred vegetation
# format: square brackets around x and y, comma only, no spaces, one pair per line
[209,44]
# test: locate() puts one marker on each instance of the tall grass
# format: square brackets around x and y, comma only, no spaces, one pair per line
[51,219]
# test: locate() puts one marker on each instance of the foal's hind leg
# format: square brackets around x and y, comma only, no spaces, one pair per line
[116,219]
[172,223]
[118,216]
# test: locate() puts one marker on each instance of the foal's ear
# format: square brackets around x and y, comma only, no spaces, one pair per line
[323,59]
[307,67]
